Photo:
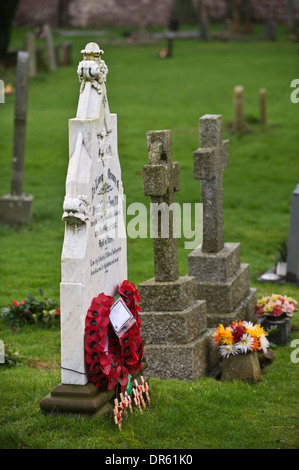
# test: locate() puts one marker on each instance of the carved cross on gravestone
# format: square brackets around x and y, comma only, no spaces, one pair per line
[160,181]
[209,162]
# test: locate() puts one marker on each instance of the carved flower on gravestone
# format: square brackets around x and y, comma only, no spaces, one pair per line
[76,209]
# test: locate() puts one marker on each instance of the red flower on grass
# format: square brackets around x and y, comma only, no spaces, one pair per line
[17,304]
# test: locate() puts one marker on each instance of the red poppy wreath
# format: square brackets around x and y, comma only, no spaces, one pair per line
[112,359]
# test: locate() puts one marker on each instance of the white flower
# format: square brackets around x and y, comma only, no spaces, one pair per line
[227,349]
[264,343]
[245,343]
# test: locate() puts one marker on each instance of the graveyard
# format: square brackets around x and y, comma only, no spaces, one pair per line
[166,108]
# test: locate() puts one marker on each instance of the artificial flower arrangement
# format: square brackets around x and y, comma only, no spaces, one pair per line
[275,306]
[241,337]
[32,310]
[112,359]
[11,356]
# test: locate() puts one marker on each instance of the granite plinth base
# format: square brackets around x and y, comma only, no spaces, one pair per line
[179,361]
[166,296]
[218,266]
[243,311]
[224,296]
[175,326]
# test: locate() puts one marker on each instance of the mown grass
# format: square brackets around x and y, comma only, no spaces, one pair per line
[147,94]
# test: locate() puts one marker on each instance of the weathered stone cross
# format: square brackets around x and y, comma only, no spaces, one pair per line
[160,181]
[209,162]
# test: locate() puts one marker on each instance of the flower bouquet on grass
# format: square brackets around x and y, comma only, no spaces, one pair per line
[276,307]
[241,337]
[32,310]
[275,312]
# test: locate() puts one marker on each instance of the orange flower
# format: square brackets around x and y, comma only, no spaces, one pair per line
[223,335]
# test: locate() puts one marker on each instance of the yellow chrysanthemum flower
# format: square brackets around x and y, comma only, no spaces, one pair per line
[269,307]
[223,335]
[263,301]
[275,297]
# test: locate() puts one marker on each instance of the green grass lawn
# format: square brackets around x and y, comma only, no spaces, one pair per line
[148,93]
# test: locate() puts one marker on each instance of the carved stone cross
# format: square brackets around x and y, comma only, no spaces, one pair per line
[209,162]
[160,181]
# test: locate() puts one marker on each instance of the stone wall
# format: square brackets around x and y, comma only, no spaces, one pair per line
[95,13]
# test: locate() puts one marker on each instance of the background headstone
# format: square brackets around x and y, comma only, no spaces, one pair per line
[220,278]
[172,320]
[270,30]
[50,47]
[239,124]
[291,16]
[31,49]
[293,242]
[66,48]
[16,207]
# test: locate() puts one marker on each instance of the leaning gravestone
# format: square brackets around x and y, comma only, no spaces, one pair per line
[50,47]
[292,273]
[16,207]
[31,48]
[220,278]
[94,255]
[172,320]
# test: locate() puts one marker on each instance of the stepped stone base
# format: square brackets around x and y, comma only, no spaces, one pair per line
[223,296]
[174,327]
[85,400]
[243,311]
[166,296]
[78,399]
[214,266]
[180,361]
[224,283]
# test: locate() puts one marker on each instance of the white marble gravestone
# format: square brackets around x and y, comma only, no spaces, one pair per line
[94,255]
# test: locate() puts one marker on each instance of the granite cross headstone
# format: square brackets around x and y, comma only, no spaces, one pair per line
[220,278]
[160,181]
[172,320]
[209,162]
[16,207]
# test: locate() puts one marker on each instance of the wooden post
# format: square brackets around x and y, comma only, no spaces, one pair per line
[263,106]
[239,124]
